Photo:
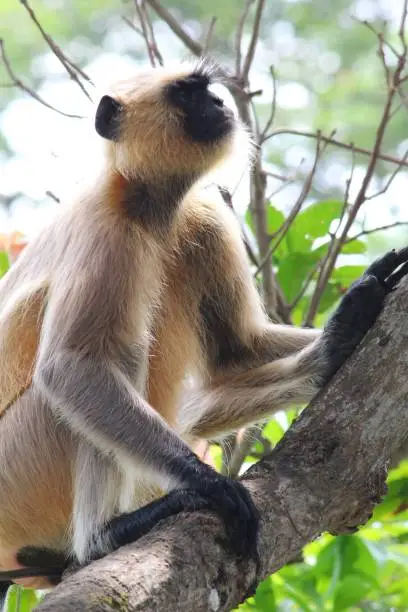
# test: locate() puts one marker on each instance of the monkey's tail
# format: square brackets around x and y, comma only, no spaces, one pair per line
[53,574]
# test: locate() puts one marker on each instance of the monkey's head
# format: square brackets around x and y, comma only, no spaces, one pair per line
[168,121]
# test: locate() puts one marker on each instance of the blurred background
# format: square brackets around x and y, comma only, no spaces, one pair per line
[319,102]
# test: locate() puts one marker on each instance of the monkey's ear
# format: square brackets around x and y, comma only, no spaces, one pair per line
[107,118]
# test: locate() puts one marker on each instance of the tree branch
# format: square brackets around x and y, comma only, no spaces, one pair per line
[19,83]
[175,27]
[71,68]
[326,475]
[338,143]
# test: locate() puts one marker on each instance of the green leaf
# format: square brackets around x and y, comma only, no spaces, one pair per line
[275,218]
[273,431]
[249,220]
[314,222]
[4,263]
[354,247]
[330,295]
[351,591]
[292,272]
[345,275]
[21,600]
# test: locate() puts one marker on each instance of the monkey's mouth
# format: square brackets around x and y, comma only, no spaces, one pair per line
[206,119]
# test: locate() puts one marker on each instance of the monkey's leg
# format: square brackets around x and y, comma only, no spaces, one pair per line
[35,490]
[97,492]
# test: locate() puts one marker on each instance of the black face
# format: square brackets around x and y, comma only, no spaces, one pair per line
[206,119]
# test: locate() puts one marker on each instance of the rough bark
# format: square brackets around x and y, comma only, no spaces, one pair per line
[326,475]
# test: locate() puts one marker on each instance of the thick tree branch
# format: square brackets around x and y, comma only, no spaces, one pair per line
[326,475]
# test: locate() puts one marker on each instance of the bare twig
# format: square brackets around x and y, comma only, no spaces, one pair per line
[338,143]
[133,26]
[19,83]
[323,260]
[253,42]
[280,177]
[71,68]
[176,28]
[209,36]
[281,187]
[52,195]
[139,6]
[284,228]
[374,230]
[273,107]
[239,34]
[390,179]
[305,285]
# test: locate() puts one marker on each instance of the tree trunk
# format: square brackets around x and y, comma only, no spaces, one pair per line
[326,475]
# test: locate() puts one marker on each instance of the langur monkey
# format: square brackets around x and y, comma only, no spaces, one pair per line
[140,285]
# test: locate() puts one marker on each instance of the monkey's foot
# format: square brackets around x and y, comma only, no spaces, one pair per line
[228,498]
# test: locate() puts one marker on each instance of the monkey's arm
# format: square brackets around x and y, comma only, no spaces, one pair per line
[256,368]
[89,389]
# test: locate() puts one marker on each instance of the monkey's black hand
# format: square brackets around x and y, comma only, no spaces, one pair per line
[360,307]
[210,491]
[233,503]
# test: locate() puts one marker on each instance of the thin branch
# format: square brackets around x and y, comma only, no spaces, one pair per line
[284,185]
[238,36]
[257,128]
[253,42]
[372,29]
[139,4]
[133,26]
[389,181]
[338,143]
[375,230]
[152,37]
[286,225]
[401,31]
[279,177]
[175,26]
[209,36]
[19,83]
[273,107]
[71,68]
[52,195]
[305,285]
